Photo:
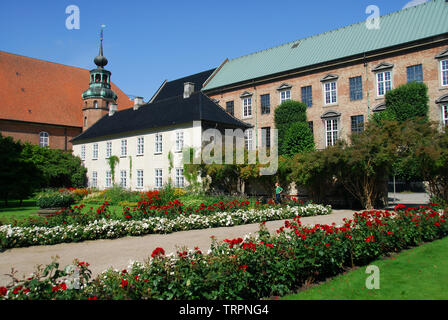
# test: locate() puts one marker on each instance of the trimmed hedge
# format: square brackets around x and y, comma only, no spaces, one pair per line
[50,200]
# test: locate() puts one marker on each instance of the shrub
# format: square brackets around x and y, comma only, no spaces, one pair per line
[298,138]
[50,200]
[408,101]
[59,168]
[286,114]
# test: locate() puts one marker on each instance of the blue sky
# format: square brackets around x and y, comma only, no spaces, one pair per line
[149,41]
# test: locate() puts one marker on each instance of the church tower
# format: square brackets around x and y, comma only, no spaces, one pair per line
[99,97]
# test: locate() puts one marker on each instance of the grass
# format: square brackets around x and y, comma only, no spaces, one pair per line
[419,273]
[13,211]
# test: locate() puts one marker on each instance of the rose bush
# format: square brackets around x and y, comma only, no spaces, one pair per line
[256,266]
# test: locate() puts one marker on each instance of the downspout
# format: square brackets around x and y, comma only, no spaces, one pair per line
[366,65]
[256,117]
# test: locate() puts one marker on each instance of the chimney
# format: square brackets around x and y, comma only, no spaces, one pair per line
[188,89]
[138,102]
[112,109]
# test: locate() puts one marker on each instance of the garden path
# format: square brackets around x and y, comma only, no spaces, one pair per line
[102,254]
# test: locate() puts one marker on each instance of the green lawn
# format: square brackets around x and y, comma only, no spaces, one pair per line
[15,212]
[420,273]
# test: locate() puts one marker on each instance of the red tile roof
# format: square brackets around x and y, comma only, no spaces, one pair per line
[45,92]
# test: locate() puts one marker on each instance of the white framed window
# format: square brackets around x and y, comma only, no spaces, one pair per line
[383,82]
[445,115]
[331,94]
[108,179]
[44,139]
[123,178]
[158,143]
[444,72]
[95,151]
[124,148]
[94,182]
[247,107]
[331,131]
[180,178]
[83,152]
[285,95]
[158,178]
[248,139]
[179,141]
[139,178]
[108,149]
[140,146]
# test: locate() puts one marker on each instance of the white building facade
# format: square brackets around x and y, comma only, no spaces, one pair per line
[149,140]
[147,160]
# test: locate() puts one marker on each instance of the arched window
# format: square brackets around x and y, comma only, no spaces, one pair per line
[97,78]
[85,121]
[95,104]
[44,139]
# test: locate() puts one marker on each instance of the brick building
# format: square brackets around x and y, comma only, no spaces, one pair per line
[41,101]
[342,75]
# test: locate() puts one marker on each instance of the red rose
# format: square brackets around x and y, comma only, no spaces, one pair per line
[327,245]
[3,291]
[124,283]
[243,267]
[157,252]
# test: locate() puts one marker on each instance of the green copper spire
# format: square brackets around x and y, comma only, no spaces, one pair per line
[101,60]
[100,78]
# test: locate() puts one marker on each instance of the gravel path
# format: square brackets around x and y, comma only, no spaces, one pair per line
[117,253]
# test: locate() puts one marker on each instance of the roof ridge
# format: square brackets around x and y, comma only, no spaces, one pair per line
[334,30]
[192,75]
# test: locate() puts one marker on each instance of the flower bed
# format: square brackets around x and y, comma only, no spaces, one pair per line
[249,268]
[104,228]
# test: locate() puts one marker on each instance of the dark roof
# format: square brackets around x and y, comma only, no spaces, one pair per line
[176,87]
[170,111]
